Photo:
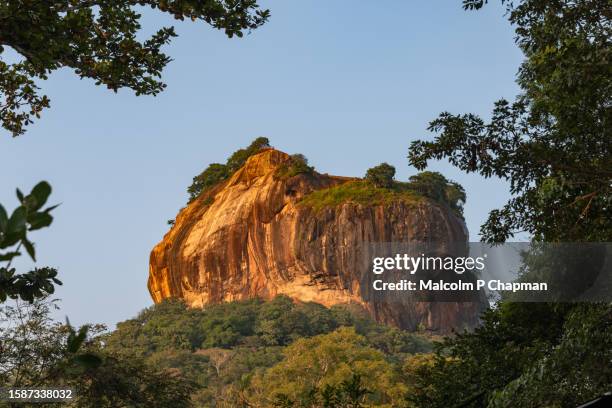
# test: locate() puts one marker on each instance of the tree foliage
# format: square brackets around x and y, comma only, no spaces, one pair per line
[171,325]
[27,217]
[223,347]
[317,367]
[437,187]
[273,353]
[541,355]
[381,176]
[98,39]
[348,394]
[575,371]
[38,352]
[552,144]
[470,367]
[297,164]
[217,172]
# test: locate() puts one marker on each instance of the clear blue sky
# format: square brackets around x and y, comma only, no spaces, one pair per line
[347,83]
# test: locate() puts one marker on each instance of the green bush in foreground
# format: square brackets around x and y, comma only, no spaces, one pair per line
[37,352]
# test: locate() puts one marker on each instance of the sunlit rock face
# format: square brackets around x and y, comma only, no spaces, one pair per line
[251,237]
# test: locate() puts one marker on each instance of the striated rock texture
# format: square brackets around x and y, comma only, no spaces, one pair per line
[251,236]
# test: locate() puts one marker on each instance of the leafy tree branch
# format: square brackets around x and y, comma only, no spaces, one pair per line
[27,217]
[98,39]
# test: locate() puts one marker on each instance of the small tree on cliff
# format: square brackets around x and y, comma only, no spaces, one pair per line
[434,185]
[212,175]
[381,176]
[217,172]
[239,157]
[297,164]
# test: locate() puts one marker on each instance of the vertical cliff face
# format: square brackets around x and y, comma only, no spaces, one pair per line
[255,236]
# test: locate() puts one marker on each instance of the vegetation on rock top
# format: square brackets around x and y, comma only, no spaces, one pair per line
[297,164]
[381,176]
[375,190]
[217,172]
[359,192]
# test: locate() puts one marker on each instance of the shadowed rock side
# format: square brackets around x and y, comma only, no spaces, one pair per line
[251,236]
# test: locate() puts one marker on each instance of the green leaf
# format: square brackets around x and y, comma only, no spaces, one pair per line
[10,239]
[41,192]
[39,220]
[17,222]
[3,219]
[75,340]
[19,195]
[49,209]
[30,249]
[9,255]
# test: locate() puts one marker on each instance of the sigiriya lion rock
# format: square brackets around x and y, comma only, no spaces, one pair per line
[265,231]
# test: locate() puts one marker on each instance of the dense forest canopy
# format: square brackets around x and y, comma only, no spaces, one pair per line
[249,352]
[246,352]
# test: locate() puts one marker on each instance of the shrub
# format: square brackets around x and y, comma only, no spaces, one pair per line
[437,187]
[217,172]
[239,157]
[381,176]
[297,164]
[214,173]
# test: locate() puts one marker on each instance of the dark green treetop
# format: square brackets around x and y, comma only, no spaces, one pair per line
[381,175]
[435,186]
[297,164]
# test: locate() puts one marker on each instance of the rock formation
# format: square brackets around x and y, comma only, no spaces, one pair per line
[254,236]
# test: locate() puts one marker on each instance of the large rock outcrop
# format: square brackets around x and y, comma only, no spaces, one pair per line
[252,236]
